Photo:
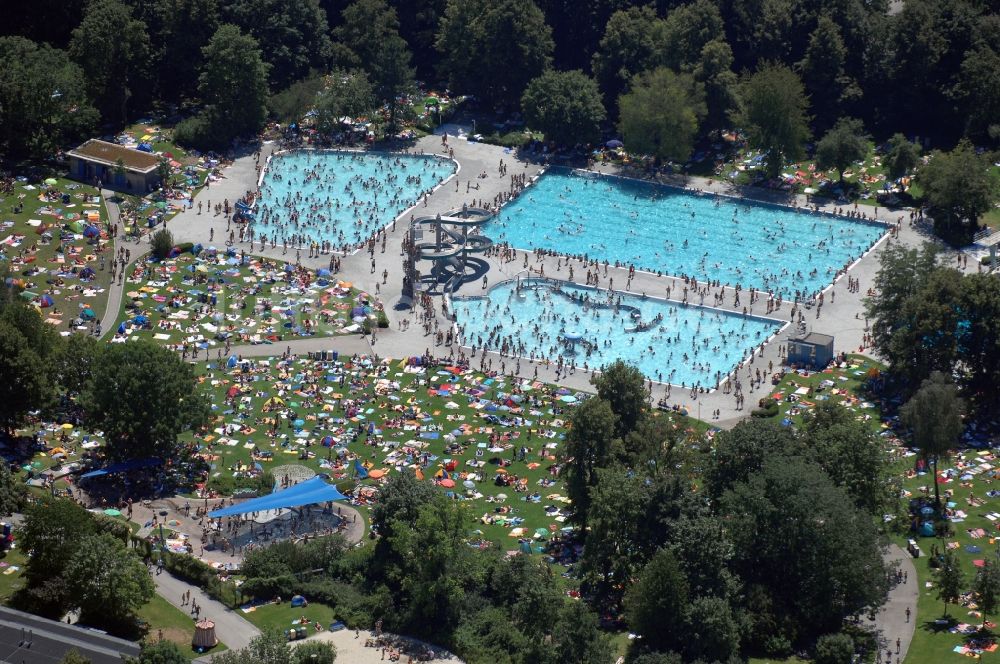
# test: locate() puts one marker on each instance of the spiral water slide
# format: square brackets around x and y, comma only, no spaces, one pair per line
[452,242]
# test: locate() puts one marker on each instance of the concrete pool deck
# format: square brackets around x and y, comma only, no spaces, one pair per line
[843,317]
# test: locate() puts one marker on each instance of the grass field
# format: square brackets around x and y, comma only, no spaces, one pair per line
[797,393]
[170,623]
[194,298]
[460,429]
[283,616]
[47,250]
[965,483]
[11,573]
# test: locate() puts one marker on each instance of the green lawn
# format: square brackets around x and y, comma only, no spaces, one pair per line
[838,385]
[283,616]
[973,537]
[287,411]
[256,302]
[11,573]
[46,249]
[168,622]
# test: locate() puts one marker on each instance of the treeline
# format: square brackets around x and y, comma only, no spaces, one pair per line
[68,65]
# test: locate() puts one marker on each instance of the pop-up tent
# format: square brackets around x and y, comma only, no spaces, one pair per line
[310,492]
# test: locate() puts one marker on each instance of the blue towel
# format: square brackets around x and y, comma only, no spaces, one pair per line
[430,435]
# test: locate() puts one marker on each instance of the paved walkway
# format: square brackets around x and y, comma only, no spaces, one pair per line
[891,622]
[230,627]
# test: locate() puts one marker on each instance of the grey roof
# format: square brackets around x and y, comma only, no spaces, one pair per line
[814,338]
[30,639]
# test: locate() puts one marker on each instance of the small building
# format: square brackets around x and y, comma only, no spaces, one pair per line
[814,350]
[97,159]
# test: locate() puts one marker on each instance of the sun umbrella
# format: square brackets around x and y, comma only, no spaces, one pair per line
[614,143]
[67,426]
[51,182]
[447,483]
[376,473]
[112,512]
[469,484]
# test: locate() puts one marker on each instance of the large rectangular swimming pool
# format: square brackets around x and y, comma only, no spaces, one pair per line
[658,228]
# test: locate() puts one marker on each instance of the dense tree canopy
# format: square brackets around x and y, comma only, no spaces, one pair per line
[661,114]
[775,116]
[142,396]
[369,38]
[292,35]
[112,47]
[565,106]
[43,99]
[492,49]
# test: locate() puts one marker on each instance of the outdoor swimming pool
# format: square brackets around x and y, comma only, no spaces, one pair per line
[661,228]
[669,342]
[341,197]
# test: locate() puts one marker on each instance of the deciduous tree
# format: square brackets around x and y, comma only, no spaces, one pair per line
[775,115]
[661,114]
[901,157]
[950,579]
[934,413]
[565,106]
[108,582]
[142,396]
[233,84]
[629,46]
[959,188]
[345,94]
[843,145]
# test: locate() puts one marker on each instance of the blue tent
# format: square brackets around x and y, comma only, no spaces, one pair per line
[310,492]
[360,471]
[123,466]
[145,147]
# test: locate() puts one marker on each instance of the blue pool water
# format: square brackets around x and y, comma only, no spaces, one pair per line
[688,345]
[341,197]
[665,229]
